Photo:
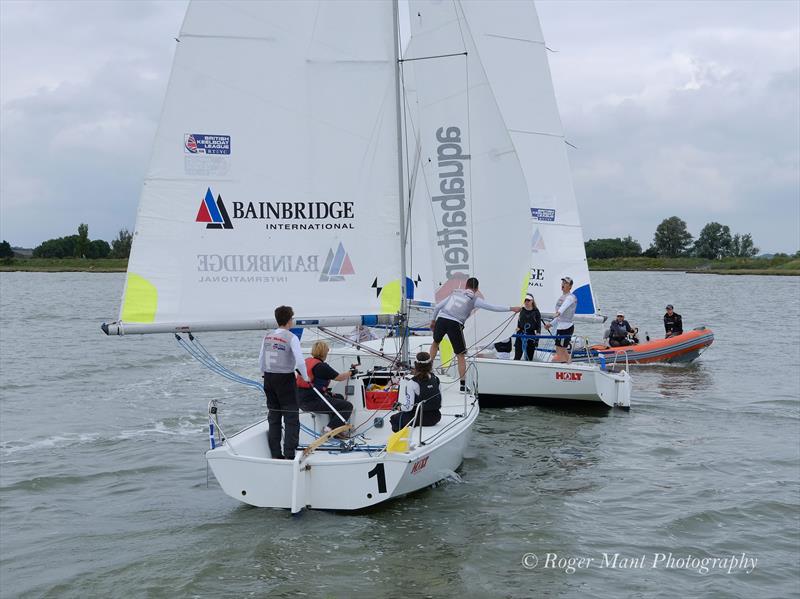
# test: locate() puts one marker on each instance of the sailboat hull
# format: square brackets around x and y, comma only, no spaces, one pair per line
[331,479]
[509,381]
[516,380]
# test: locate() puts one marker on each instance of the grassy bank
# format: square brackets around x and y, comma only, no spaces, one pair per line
[64,265]
[779,265]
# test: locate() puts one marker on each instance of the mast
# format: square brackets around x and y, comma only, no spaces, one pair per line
[400,185]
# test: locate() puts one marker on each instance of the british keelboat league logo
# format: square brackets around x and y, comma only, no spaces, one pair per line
[547,215]
[213,213]
[201,143]
[337,265]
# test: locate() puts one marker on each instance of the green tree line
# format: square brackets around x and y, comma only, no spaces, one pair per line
[78,246]
[672,239]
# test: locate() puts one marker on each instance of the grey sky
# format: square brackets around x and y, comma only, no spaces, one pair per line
[676,108]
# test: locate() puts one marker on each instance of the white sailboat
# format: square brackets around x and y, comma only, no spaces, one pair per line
[492,80]
[276,178]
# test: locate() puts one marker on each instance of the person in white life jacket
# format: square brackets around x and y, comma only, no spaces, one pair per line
[321,375]
[279,357]
[449,317]
[422,388]
[564,327]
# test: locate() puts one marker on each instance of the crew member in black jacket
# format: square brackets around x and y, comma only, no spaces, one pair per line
[529,323]
[673,323]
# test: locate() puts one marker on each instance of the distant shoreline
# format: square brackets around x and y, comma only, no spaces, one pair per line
[64,265]
[777,265]
[742,266]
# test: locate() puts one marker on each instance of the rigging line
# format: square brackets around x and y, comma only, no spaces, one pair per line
[409,231]
[460,8]
[214,364]
[503,324]
[432,57]
[226,374]
[339,337]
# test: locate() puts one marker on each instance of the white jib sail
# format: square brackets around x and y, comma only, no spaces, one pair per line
[273,178]
[471,190]
[512,49]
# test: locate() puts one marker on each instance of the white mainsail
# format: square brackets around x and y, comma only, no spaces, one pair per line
[471,189]
[507,35]
[273,178]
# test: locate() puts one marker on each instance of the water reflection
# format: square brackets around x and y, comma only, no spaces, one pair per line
[678,382]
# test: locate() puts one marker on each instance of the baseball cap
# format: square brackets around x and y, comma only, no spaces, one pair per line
[620,313]
[567,280]
[669,307]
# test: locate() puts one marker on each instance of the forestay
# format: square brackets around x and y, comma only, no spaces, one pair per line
[470,195]
[512,49]
[273,178]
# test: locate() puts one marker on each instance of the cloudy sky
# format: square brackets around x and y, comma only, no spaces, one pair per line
[676,108]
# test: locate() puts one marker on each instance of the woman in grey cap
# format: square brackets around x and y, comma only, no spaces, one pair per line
[565,312]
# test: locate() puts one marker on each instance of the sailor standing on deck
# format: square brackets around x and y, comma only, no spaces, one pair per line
[449,317]
[565,312]
[279,357]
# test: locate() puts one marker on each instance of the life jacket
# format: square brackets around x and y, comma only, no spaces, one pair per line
[569,313]
[310,363]
[459,305]
[276,352]
[529,321]
[619,330]
[429,393]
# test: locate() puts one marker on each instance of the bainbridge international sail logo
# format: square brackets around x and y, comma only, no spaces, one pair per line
[337,265]
[213,213]
[537,243]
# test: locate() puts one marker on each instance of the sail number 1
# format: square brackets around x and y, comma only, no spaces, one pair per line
[380,472]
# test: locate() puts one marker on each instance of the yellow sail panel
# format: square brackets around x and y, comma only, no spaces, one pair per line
[390,297]
[141,300]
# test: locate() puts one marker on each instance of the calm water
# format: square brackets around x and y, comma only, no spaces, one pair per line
[104,492]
